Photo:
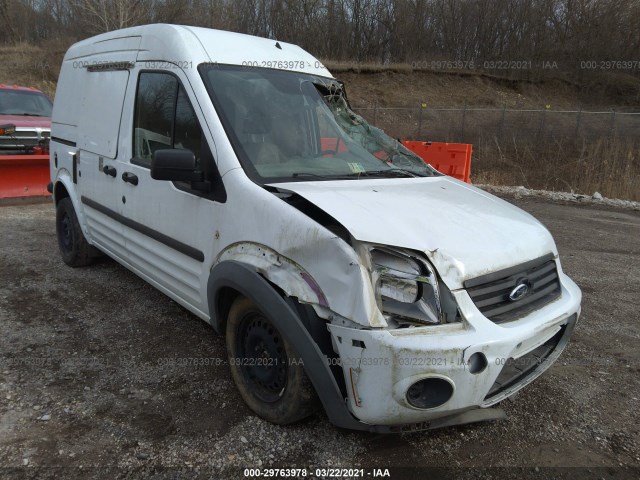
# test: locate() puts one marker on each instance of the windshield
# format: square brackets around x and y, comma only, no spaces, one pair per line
[293,126]
[16,102]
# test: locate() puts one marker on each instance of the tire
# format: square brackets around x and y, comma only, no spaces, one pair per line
[74,248]
[265,368]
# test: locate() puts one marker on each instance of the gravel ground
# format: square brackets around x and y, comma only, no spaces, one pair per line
[92,386]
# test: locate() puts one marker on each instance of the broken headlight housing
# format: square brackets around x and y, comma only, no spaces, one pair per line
[408,291]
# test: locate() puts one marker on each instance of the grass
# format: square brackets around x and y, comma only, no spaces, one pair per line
[541,150]
[32,66]
[610,165]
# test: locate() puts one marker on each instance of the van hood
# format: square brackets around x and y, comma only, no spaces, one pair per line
[464,231]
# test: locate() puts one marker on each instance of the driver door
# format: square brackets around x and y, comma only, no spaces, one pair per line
[169,226]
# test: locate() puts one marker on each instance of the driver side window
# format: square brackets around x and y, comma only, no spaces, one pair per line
[163,118]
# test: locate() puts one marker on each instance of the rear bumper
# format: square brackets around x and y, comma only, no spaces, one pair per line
[379,366]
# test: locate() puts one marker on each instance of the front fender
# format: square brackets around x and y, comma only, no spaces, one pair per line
[245,280]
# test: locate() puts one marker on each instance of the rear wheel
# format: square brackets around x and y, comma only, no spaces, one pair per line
[267,371]
[74,248]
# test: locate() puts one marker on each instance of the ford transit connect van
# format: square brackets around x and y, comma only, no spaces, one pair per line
[230,172]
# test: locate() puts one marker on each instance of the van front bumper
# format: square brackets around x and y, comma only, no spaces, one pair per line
[468,365]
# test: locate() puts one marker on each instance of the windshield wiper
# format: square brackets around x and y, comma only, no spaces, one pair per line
[400,171]
[306,174]
[393,172]
[25,114]
[334,176]
[390,172]
[396,172]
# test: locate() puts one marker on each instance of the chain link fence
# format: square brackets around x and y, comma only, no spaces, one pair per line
[469,125]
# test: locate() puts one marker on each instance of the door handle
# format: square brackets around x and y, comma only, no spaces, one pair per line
[130,178]
[111,171]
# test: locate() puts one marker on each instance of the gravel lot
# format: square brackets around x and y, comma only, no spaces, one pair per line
[87,389]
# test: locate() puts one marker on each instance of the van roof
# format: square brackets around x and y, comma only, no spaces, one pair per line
[181,44]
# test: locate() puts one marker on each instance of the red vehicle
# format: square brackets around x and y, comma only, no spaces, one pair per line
[25,127]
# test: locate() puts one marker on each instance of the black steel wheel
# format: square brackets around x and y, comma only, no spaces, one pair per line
[74,248]
[267,371]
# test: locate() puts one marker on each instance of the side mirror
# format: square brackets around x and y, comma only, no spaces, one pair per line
[175,165]
[7,129]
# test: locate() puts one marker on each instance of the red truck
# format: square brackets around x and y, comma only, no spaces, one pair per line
[25,128]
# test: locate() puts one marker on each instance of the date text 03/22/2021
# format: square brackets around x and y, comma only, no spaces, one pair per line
[316,473]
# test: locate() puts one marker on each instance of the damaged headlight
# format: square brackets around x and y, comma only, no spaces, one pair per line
[408,290]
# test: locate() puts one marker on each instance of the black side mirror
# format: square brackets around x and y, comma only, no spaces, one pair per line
[177,165]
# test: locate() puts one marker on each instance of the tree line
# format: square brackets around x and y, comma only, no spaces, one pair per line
[564,32]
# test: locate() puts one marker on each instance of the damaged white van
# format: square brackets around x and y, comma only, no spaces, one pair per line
[230,172]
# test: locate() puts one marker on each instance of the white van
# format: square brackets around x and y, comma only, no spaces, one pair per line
[230,172]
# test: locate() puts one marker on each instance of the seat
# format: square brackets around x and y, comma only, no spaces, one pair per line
[263,153]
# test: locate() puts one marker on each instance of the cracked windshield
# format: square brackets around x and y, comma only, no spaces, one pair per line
[288,125]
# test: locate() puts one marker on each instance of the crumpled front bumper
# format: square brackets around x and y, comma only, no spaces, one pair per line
[380,365]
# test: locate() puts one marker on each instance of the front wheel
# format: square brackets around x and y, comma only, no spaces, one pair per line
[265,368]
[74,248]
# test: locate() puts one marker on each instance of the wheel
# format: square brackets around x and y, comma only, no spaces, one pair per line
[265,368]
[74,248]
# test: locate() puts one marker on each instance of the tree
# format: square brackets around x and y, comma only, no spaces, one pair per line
[98,16]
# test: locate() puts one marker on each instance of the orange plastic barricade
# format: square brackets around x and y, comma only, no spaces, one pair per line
[24,175]
[330,145]
[453,159]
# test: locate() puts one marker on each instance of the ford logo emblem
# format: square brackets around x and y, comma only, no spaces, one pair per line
[522,288]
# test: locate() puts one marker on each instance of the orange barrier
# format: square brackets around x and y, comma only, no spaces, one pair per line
[330,146]
[453,159]
[24,175]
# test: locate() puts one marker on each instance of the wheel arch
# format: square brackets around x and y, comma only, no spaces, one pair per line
[232,278]
[60,192]
[63,188]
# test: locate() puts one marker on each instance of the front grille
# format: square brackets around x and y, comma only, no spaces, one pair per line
[517,370]
[491,292]
[24,138]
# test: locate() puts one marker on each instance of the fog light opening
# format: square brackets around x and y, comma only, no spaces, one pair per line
[477,363]
[429,393]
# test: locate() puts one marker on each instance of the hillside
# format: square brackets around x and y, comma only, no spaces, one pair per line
[392,86]
[398,86]
[31,66]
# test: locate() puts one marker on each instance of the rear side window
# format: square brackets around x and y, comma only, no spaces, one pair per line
[164,118]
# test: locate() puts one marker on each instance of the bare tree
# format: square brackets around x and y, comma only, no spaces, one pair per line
[6,22]
[562,31]
[105,15]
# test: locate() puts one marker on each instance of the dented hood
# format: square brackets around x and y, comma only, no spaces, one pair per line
[464,231]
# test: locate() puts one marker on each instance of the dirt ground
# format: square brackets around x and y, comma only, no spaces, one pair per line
[93,383]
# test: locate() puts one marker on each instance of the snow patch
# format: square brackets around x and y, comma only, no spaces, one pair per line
[597,198]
